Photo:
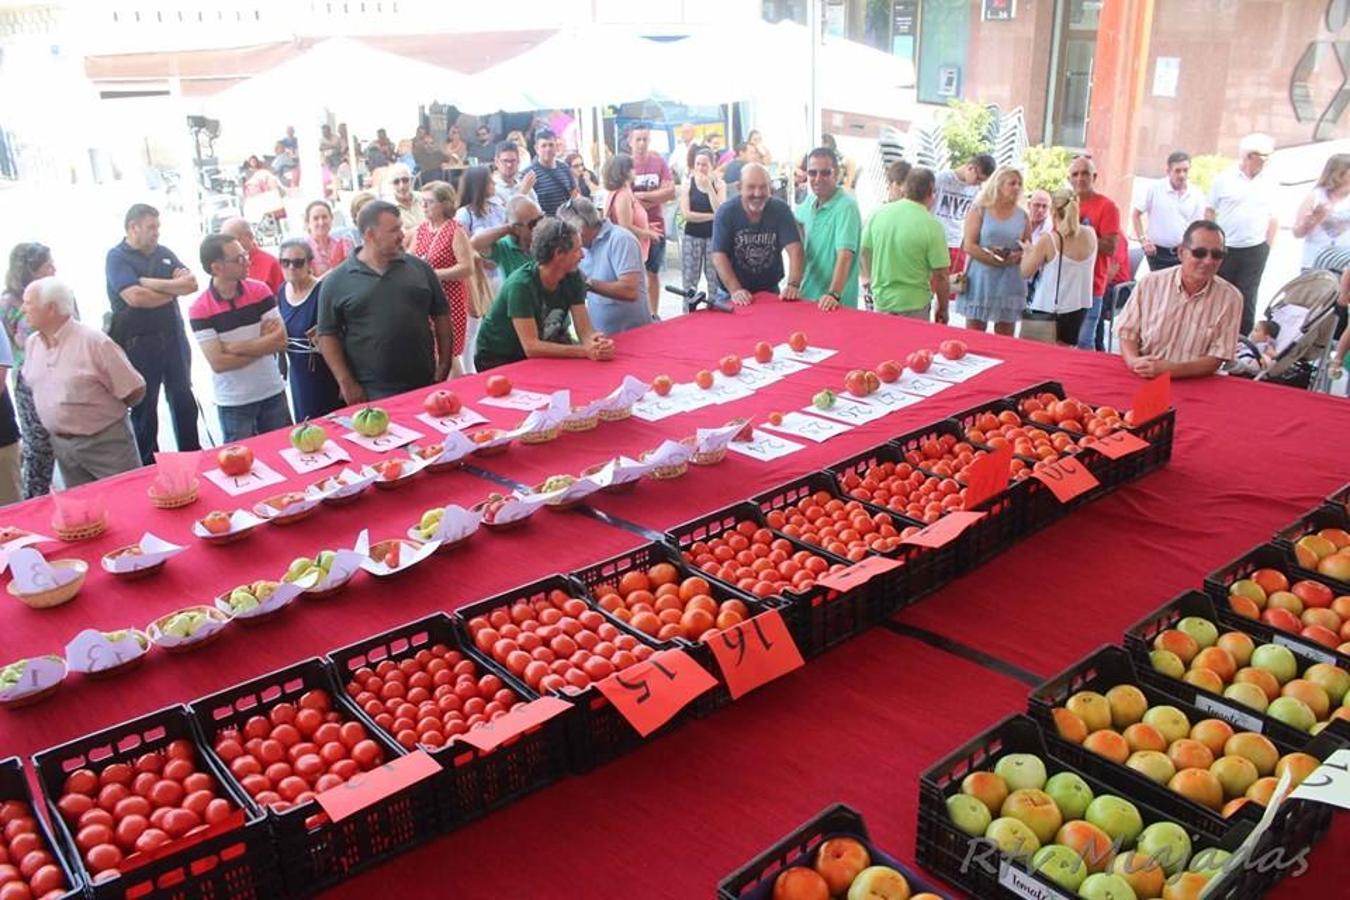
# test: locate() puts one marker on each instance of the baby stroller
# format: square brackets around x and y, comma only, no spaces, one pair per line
[1305,309]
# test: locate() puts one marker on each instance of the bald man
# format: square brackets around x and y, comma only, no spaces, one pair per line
[262,266]
[750,235]
[1101,212]
[399,179]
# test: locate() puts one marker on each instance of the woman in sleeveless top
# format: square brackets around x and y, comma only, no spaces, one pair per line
[444,245]
[699,200]
[1065,256]
[995,229]
[1323,219]
[621,207]
[314,390]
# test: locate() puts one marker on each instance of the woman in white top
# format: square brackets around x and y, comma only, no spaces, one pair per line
[1065,256]
[1323,219]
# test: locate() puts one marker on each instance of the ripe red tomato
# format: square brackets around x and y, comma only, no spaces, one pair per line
[497,386]
[235,459]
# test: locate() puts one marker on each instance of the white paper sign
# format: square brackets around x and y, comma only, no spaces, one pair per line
[240,520]
[1329,782]
[93,651]
[260,476]
[455,447]
[410,467]
[22,541]
[465,418]
[39,673]
[621,470]
[518,399]
[727,390]
[809,355]
[456,524]
[344,484]
[682,398]
[395,436]
[330,454]
[625,395]
[971,361]
[920,385]
[810,427]
[33,574]
[298,504]
[582,487]
[283,596]
[952,370]
[764,446]
[154,550]
[710,440]
[345,565]
[670,453]
[517,507]
[854,412]
[408,557]
[754,378]
[779,365]
[891,397]
[215,620]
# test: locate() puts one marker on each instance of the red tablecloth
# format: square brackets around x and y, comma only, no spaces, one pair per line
[857,725]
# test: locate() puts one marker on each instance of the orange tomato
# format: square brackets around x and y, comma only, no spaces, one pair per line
[662,573]
[634,581]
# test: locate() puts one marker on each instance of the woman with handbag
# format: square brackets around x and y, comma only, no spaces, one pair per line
[1065,256]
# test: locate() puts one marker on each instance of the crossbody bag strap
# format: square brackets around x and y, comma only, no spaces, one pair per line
[1059,271]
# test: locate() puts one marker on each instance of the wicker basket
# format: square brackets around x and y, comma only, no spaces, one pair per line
[174,501]
[586,423]
[156,627]
[57,595]
[616,415]
[541,437]
[709,457]
[665,473]
[620,488]
[84,532]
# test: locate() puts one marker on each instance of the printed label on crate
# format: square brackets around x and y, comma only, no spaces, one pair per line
[1066,478]
[649,693]
[1316,654]
[854,412]
[330,454]
[465,418]
[892,398]
[1119,444]
[365,788]
[858,574]
[491,735]
[812,428]
[394,437]
[764,446]
[988,475]
[261,475]
[920,385]
[519,399]
[1024,885]
[1329,782]
[1243,720]
[1152,399]
[755,652]
[944,530]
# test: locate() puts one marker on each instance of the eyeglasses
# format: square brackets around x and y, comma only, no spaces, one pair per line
[242,259]
[1206,253]
[293,263]
[818,173]
[530,224]
[402,180]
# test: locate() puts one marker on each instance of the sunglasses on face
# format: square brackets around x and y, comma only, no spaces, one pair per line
[293,263]
[819,173]
[402,180]
[533,222]
[1206,253]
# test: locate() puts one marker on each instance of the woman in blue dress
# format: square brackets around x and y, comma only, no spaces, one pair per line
[995,228]
[314,390]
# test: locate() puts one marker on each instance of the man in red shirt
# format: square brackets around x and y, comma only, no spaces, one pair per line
[1103,215]
[262,266]
[654,187]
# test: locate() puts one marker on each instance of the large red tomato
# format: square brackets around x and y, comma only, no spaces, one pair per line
[442,403]
[235,459]
[498,386]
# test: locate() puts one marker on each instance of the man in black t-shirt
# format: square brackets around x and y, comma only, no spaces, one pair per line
[749,237]
[554,184]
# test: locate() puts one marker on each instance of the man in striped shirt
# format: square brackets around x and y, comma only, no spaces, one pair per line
[553,184]
[1183,320]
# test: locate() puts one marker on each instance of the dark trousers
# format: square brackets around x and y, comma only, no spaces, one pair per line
[1242,268]
[163,359]
[1163,258]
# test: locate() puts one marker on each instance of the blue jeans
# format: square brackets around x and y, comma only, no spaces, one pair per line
[1090,335]
[239,422]
[163,359]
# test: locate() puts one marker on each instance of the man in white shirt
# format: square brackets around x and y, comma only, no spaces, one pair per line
[955,192]
[679,155]
[1171,205]
[1243,204]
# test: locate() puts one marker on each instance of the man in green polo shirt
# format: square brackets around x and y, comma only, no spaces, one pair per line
[508,246]
[373,313]
[904,253]
[830,233]
[539,303]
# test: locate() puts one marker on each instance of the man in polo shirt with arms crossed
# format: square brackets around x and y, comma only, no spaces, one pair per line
[237,324]
[1183,320]
[373,313]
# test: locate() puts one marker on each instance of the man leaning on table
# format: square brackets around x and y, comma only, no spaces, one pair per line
[750,234]
[83,385]
[1183,320]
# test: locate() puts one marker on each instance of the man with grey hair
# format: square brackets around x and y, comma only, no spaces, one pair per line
[410,211]
[508,246]
[616,296]
[537,306]
[1243,203]
[82,386]
[749,237]
[262,266]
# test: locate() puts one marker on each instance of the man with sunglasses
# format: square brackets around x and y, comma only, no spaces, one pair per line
[1183,320]
[1243,203]
[508,246]
[410,212]
[831,232]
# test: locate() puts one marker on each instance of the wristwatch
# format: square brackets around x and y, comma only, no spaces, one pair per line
[831,294]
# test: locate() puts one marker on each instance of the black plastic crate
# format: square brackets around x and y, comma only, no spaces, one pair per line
[1340,498]
[1272,556]
[1158,433]
[596,732]
[754,880]
[315,852]
[924,570]
[1139,637]
[471,783]
[818,617]
[239,864]
[984,539]
[14,786]
[942,848]
[1110,666]
[1325,516]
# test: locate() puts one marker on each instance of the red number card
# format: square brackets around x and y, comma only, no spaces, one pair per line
[755,652]
[944,530]
[987,476]
[366,788]
[491,735]
[651,692]
[1066,478]
[1119,444]
[1152,399]
[858,574]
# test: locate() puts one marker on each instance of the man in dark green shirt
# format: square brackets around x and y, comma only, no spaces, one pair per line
[509,245]
[373,314]
[538,303]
